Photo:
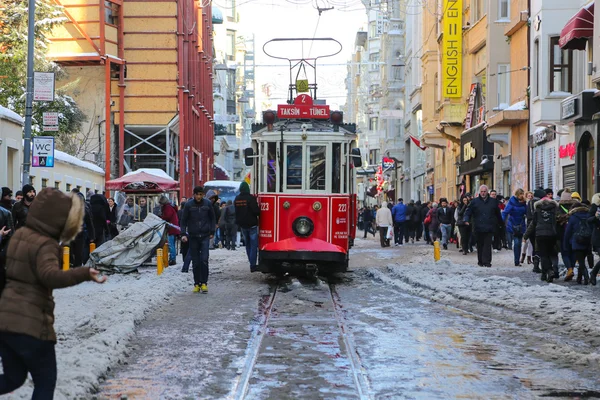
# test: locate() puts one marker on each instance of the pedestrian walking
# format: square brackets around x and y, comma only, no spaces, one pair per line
[27,336]
[399,217]
[100,218]
[562,217]
[412,217]
[368,222]
[546,234]
[247,213]
[6,201]
[229,227]
[6,231]
[514,217]
[169,213]
[594,221]
[425,227]
[445,216]
[384,220]
[214,200]
[464,229]
[483,212]
[80,246]
[21,208]
[112,217]
[433,223]
[578,236]
[198,227]
[418,221]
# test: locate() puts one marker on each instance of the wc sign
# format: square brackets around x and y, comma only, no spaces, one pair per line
[43,151]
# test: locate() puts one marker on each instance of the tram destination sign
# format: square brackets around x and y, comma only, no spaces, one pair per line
[303,107]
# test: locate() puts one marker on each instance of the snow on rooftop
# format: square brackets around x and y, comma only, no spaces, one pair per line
[69,159]
[10,115]
[517,106]
[151,171]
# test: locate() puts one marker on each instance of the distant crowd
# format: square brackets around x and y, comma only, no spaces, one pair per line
[537,226]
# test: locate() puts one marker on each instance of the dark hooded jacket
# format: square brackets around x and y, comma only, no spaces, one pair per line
[577,216]
[19,213]
[484,214]
[595,222]
[198,218]
[544,220]
[33,266]
[246,208]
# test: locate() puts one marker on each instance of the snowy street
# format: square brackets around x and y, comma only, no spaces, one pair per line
[397,326]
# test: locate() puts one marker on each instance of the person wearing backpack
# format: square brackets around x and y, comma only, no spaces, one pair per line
[514,217]
[579,237]
[562,216]
[543,226]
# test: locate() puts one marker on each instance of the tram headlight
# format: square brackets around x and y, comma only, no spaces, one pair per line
[303,226]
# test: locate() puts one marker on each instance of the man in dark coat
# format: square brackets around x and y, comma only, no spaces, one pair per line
[80,247]
[100,216]
[409,232]
[246,217]
[417,221]
[484,213]
[21,208]
[198,225]
[6,200]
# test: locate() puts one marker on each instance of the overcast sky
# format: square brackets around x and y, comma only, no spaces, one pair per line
[269,19]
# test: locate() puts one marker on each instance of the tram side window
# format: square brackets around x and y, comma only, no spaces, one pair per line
[335,184]
[271,167]
[294,167]
[317,167]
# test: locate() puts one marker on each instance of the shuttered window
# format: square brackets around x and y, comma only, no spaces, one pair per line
[569,177]
[544,159]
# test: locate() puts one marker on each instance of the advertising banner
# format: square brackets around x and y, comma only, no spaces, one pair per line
[452,49]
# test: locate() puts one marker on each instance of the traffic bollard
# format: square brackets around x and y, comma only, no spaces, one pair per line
[436,250]
[66,258]
[159,261]
[92,247]
[166,255]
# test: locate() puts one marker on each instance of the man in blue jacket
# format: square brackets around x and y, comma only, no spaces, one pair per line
[198,224]
[399,216]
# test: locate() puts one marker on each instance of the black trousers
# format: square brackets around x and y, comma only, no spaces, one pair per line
[545,247]
[465,237]
[382,236]
[399,228]
[580,256]
[22,354]
[419,230]
[484,248]
[409,230]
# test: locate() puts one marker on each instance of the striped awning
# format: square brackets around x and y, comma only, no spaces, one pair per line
[578,29]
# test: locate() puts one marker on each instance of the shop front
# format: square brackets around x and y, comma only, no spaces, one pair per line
[476,158]
[583,110]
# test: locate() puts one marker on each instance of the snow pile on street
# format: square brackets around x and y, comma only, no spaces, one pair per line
[94,323]
[548,308]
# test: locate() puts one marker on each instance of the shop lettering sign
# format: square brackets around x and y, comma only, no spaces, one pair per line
[567,151]
[469,151]
[388,163]
[568,108]
[541,136]
[452,49]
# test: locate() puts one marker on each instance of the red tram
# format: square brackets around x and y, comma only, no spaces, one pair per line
[303,159]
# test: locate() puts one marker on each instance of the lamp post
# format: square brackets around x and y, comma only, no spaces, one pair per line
[29,94]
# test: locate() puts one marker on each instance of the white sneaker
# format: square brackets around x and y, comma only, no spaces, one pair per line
[496,250]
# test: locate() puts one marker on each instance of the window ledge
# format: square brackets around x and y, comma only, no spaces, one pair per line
[502,21]
[559,95]
[535,99]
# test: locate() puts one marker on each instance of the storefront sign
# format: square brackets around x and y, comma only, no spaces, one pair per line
[568,108]
[469,151]
[43,86]
[452,49]
[388,163]
[581,106]
[567,151]
[541,136]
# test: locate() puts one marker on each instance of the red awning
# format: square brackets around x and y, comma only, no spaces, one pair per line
[143,181]
[578,29]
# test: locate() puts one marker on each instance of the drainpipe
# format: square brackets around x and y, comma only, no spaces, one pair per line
[181,94]
[529,99]
[107,152]
[121,53]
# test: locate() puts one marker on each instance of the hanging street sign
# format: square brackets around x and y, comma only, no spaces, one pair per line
[50,121]
[43,151]
[303,107]
[43,86]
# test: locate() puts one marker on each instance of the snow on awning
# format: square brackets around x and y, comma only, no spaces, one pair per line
[578,29]
[222,169]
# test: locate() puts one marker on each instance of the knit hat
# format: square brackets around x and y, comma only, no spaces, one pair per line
[6,191]
[27,189]
[539,193]
[565,196]
[163,199]
[244,187]
[89,194]
[548,191]
[210,194]
[575,196]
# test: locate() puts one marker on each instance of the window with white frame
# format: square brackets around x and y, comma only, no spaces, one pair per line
[504,9]
[503,86]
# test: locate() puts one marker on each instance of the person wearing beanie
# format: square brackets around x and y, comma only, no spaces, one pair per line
[213,196]
[247,212]
[6,200]
[169,214]
[6,231]
[198,225]
[33,270]
[539,194]
[549,193]
[576,196]
[21,208]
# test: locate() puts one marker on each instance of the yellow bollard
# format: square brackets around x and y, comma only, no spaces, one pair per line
[159,261]
[436,250]
[166,255]
[66,258]
[92,247]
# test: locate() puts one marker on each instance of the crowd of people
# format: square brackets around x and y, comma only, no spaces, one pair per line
[536,226]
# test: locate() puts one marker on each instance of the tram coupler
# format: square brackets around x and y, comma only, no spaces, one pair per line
[311,269]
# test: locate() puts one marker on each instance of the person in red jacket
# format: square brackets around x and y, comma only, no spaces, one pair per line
[169,214]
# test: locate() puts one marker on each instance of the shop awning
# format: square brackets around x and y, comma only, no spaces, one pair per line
[578,29]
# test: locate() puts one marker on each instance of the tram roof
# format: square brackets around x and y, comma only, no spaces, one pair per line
[299,126]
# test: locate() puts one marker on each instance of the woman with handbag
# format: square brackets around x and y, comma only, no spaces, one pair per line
[514,215]
[384,220]
[434,223]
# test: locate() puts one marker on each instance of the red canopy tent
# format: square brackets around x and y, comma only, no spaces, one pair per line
[146,180]
[578,29]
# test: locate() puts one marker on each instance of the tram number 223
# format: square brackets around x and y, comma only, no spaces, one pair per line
[264,206]
[342,207]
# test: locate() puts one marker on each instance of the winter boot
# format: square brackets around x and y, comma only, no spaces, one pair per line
[529,260]
[522,258]
[536,265]
[570,275]
[594,273]
[579,276]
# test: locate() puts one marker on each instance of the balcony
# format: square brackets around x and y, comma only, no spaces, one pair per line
[518,17]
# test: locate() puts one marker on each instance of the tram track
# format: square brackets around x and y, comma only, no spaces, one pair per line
[267,328]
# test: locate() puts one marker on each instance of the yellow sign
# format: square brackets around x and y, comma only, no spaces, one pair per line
[452,49]
[469,151]
[302,85]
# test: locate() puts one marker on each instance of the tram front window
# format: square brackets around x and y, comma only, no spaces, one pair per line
[317,167]
[335,183]
[271,167]
[294,167]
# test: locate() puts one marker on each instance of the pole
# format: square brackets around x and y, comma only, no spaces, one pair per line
[29,96]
